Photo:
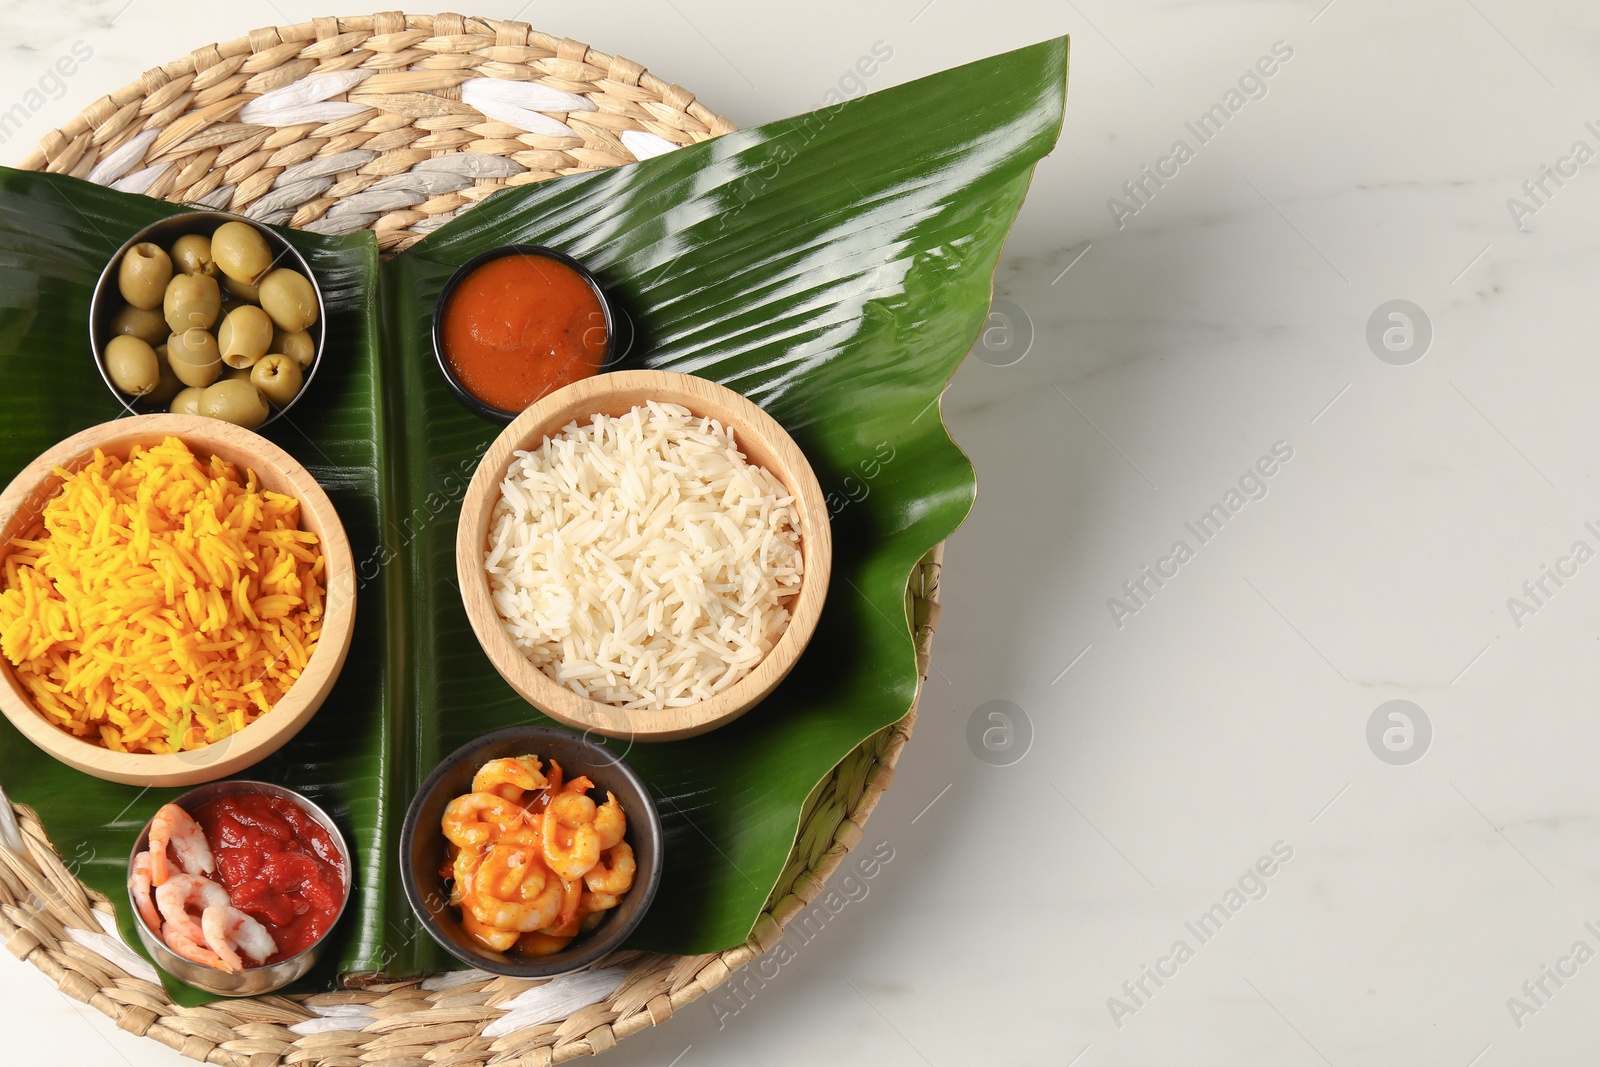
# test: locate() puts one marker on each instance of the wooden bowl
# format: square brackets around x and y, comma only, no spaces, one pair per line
[20,505]
[763,442]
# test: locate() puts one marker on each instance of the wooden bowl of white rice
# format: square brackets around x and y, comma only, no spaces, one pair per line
[644,554]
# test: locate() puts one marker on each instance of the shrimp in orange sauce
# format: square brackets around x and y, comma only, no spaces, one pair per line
[533,861]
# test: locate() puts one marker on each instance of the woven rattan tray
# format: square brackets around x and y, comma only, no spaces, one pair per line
[181,139]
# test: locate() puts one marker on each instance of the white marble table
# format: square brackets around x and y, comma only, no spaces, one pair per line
[1416,540]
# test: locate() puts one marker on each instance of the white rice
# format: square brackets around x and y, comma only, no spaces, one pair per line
[642,561]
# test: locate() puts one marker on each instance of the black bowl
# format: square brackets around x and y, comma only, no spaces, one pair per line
[422,846]
[612,320]
[107,299]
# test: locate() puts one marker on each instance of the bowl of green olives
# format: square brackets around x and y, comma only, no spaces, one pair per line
[207,313]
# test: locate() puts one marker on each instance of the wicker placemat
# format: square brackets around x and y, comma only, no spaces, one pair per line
[408,155]
[402,155]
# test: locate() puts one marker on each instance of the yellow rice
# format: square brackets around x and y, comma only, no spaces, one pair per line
[159,603]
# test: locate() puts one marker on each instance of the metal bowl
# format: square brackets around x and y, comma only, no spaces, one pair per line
[422,847]
[253,981]
[107,299]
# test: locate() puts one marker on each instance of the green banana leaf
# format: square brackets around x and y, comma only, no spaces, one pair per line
[56,234]
[833,267]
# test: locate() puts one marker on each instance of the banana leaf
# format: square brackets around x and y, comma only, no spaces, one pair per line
[834,267]
[56,234]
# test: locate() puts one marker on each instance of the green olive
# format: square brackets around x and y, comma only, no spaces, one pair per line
[143,274]
[248,292]
[234,401]
[168,386]
[244,336]
[195,357]
[144,323]
[191,254]
[278,377]
[239,374]
[132,365]
[241,252]
[187,402]
[192,300]
[296,344]
[288,297]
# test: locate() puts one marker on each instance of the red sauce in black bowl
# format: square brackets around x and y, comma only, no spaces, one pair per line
[518,323]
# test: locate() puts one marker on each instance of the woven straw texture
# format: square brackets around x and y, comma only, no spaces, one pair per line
[183,134]
[407,160]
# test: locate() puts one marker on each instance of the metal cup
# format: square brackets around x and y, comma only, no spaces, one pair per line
[252,981]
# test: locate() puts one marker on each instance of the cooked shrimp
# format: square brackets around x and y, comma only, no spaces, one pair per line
[572,809]
[462,870]
[554,778]
[593,902]
[526,855]
[541,943]
[498,940]
[191,947]
[566,923]
[139,885]
[183,897]
[571,900]
[510,778]
[571,843]
[232,935]
[529,835]
[569,852]
[173,827]
[610,823]
[472,820]
[562,927]
[614,872]
[508,873]
[522,916]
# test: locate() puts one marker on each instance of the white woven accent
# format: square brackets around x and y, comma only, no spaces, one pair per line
[324,165]
[217,199]
[503,102]
[341,1011]
[339,225]
[140,180]
[306,100]
[322,1026]
[10,832]
[374,202]
[428,225]
[123,159]
[285,197]
[435,983]
[557,999]
[426,182]
[646,145]
[473,165]
[535,96]
[110,946]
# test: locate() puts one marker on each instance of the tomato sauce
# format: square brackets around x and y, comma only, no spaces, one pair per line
[278,864]
[521,326]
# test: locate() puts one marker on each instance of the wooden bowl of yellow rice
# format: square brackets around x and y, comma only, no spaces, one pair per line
[177,597]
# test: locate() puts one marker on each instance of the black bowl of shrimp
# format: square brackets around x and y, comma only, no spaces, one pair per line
[531,852]
[236,885]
